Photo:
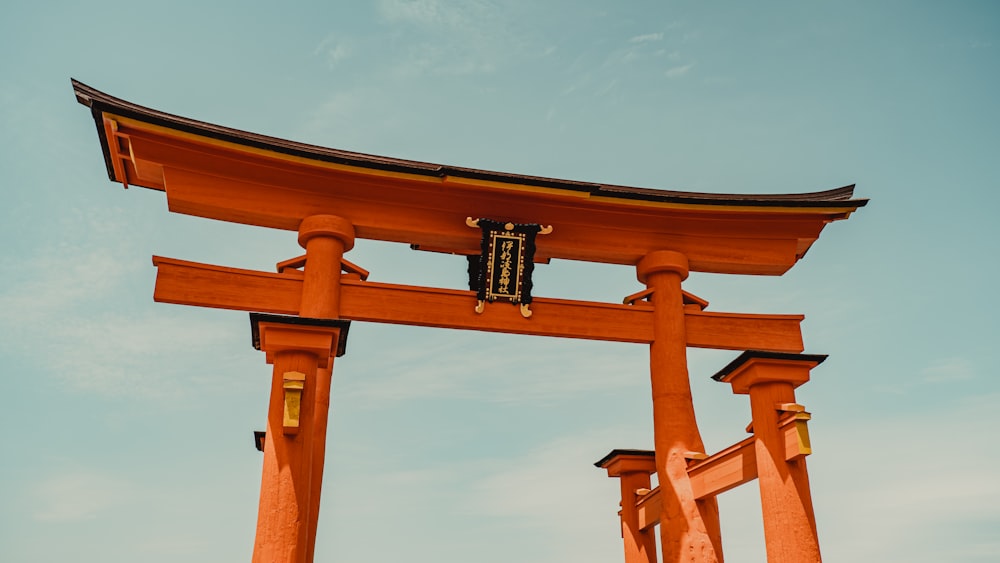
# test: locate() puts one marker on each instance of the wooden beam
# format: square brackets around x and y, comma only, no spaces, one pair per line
[650,508]
[741,331]
[427,213]
[724,470]
[204,285]
[444,308]
[728,468]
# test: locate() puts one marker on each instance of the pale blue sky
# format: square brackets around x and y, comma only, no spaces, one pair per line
[127,425]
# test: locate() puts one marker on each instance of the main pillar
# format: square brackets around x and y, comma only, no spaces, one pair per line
[302,351]
[689,528]
[325,239]
[770,378]
[296,347]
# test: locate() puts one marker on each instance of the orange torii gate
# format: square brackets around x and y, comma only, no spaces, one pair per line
[504,223]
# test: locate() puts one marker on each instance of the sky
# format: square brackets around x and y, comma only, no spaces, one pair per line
[128,424]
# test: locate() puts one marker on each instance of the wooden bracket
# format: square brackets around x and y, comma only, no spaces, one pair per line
[291,264]
[789,407]
[638,296]
[300,261]
[545,229]
[524,308]
[795,428]
[293,384]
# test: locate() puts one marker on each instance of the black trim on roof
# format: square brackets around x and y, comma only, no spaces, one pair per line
[764,355]
[99,103]
[615,453]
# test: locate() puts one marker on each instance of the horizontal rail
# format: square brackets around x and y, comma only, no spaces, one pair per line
[204,285]
[650,507]
[724,470]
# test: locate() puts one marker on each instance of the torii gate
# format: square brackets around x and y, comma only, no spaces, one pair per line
[301,314]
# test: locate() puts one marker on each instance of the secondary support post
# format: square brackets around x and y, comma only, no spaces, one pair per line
[770,378]
[633,468]
[689,528]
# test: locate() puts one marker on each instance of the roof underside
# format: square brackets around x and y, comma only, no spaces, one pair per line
[217,172]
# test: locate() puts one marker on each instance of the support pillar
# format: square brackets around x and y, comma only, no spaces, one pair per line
[325,239]
[302,351]
[689,528]
[770,378]
[633,468]
[296,348]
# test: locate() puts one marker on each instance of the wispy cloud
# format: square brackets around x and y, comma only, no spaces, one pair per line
[144,356]
[437,59]
[948,370]
[333,49]
[646,38]
[450,13]
[416,11]
[679,71]
[555,488]
[449,37]
[925,500]
[608,88]
[336,113]
[63,317]
[953,371]
[78,495]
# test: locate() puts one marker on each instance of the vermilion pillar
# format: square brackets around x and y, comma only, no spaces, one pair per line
[770,379]
[296,347]
[325,238]
[689,528]
[633,468]
[302,351]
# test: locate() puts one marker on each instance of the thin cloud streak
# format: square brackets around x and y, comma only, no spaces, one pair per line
[678,71]
[79,495]
[646,38]
[333,50]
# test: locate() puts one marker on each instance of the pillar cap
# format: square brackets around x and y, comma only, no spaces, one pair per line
[326,225]
[662,261]
[742,372]
[257,318]
[618,462]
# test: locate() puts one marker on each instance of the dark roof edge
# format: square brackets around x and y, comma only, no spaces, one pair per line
[617,452]
[100,102]
[765,355]
[257,318]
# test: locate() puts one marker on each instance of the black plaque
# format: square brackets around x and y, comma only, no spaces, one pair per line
[505,263]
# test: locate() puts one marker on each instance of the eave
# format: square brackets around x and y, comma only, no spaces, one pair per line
[231,175]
